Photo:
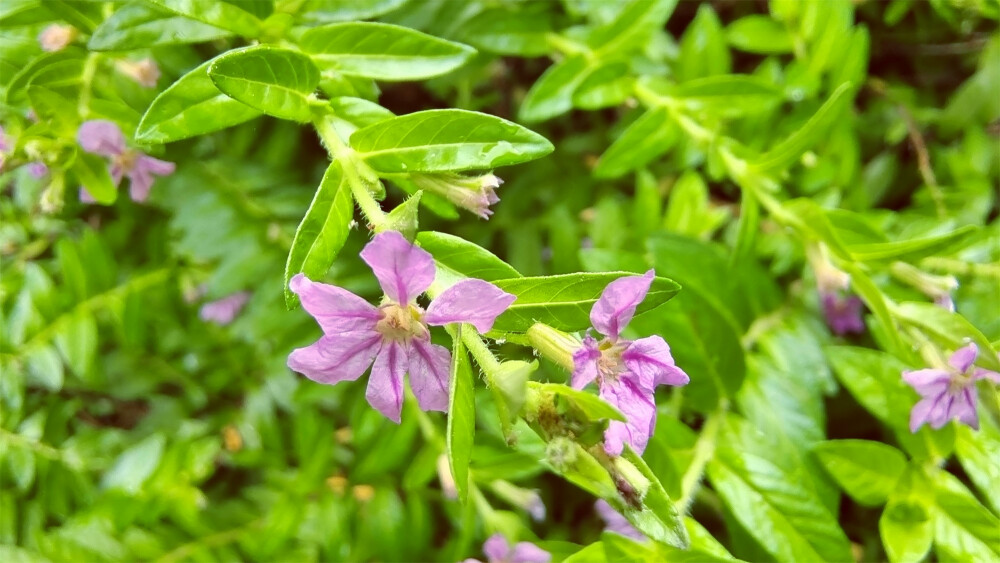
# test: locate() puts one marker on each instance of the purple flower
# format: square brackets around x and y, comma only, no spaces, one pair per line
[615,522]
[948,393]
[945,301]
[626,371]
[223,311]
[106,139]
[56,37]
[394,335]
[498,550]
[843,312]
[145,72]
[38,169]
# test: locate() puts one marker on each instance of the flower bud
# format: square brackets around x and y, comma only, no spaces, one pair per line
[474,193]
[554,344]
[446,478]
[525,499]
[938,288]
[56,37]
[145,72]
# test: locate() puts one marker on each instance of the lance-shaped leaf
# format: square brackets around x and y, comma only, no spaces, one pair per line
[509,32]
[446,140]
[92,172]
[909,250]
[275,81]
[51,70]
[648,137]
[227,15]
[382,51]
[323,231]
[327,11]
[552,93]
[461,416]
[866,470]
[465,258]
[190,107]
[564,301]
[138,26]
[635,23]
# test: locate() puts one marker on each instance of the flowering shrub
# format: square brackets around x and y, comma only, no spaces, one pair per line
[631,280]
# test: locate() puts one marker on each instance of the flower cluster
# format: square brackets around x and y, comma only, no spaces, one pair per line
[627,372]
[394,335]
[105,138]
[498,550]
[948,393]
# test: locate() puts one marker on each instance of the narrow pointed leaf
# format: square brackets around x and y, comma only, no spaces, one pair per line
[275,81]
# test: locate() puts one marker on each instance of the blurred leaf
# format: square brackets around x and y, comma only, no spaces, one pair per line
[963,528]
[382,51]
[648,137]
[446,140]
[634,23]
[909,250]
[950,329]
[866,470]
[224,14]
[92,172]
[505,32]
[138,26]
[759,34]
[906,525]
[703,47]
[55,71]
[552,94]
[326,11]
[277,82]
[135,465]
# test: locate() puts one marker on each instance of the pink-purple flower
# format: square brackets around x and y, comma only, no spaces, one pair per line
[948,393]
[843,312]
[395,335]
[223,311]
[626,371]
[105,138]
[615,522]
[498,550]
[474,193]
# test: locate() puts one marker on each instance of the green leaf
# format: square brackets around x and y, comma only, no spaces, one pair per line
[866,470]
[874,378]
[446,140]
[139,26]
[593,407]
[351,114]
[45,369]
[906,525]
[327,11]
[814,130]
[54,109]
[77,340]
[275,81]
[759,34]
[786,518]
[659,519]
[82,15]
[465,258]
[92,172]
[191,107]
[703,47]
[633,25]
[564,301]
[461,415]
[135,465]
[909,250]
[875,299]
[950,329]
[51,70]
[510,389]
[323,231]
[728,94]
[977,453]
[606,85]
[382,51]
[224,14]
[964,530]
[505,32]
[552,94]
[648,137]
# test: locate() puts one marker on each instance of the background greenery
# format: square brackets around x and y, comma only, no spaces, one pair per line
[133,430]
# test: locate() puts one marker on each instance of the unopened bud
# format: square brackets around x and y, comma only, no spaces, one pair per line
[561,453]
[630,474]
[829,278]
[474,193]
[938,288]
[145,72]
[56,37]
[446,478]
[554,344]
[525,499]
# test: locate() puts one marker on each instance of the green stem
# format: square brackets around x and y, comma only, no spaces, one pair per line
[86,81]
[704,451]
[351,164]
[184,552]
[16,440]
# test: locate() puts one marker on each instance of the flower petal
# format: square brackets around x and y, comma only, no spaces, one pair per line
[649,358]
[616,306]
[963,358]
[986,374]
[640,412]
[496,548]
[920,414]
[385,386]
[403,270]
[615,522]
[430,373]
[335,309]
[102,137]
[585,363]
[928,382]
[964,408]
[223,311]
[333,359]
[472,301]
[154,165]
[525,552]
[140,182]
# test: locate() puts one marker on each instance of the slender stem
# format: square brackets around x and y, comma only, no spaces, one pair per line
[39,448]
[484,357]
[184,552]
[87,80]
[351,166]
[704,451]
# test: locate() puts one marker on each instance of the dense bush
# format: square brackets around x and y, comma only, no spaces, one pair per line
[798,196]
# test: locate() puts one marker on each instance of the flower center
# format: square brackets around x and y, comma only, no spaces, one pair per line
[959,383]
[127,159]
[610,364]
[401,322]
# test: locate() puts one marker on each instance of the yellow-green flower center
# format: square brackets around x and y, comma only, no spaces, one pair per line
[401,322]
